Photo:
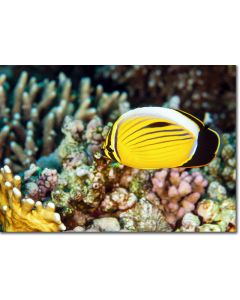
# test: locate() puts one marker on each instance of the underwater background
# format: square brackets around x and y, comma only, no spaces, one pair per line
[53,121]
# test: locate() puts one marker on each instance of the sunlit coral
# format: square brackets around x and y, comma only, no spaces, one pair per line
[19,214]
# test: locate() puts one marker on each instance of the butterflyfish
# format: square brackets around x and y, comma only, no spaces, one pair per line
[157,137]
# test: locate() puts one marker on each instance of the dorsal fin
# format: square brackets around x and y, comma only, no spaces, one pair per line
[194,119]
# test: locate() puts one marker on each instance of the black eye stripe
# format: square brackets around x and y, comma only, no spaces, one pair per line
[110,149]
[109,137]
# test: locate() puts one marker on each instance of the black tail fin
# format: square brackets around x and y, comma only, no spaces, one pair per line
[208,143]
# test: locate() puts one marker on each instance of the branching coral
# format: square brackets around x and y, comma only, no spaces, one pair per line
[178,191]
[199,87]
[32,114]
[19,214]
[51,71]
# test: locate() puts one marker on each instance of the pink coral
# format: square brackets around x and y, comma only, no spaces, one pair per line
[44,185]
[178,190]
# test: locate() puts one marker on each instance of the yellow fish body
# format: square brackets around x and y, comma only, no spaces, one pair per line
[157,137]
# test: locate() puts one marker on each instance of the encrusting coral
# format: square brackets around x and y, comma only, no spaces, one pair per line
[19,214]
[32,114]
[144,217]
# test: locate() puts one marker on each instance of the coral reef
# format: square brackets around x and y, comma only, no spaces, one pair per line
[223,168]
[19,214]
[198,87]
[178,191]
[218,209]
[51,134]
[90,187]
[81,182]
[32,113]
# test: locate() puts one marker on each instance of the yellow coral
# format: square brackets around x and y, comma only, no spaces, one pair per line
[24,215]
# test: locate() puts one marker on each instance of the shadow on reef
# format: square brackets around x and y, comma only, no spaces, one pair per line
[49,71]
[200,89]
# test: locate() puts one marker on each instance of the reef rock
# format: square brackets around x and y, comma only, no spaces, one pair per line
[144,217]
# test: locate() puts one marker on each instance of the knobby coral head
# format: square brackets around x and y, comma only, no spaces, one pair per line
[19,214]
